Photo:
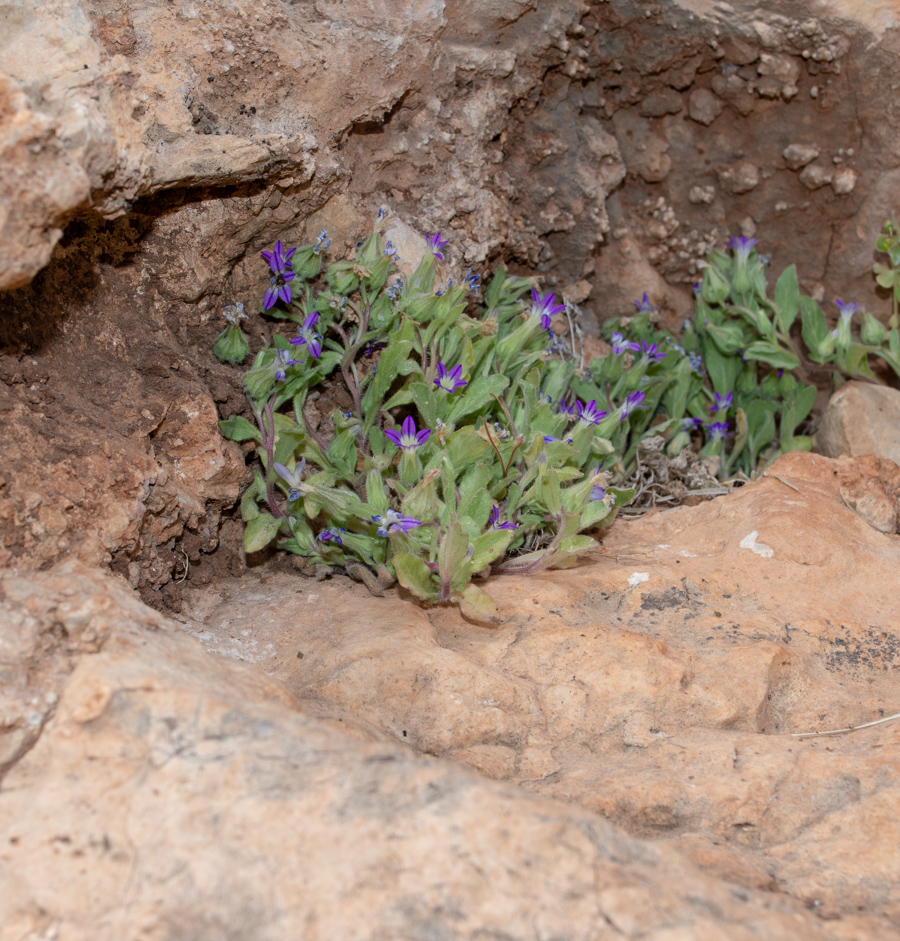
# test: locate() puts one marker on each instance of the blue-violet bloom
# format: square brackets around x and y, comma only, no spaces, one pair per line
[333,535]
[847,309]
[291,478]
[597,492]
[689,424]
[389,249]
[544,307]
[722,402]
[449,379]
[742,246]
[279,286]
[717,430]
[618,343]
[278,258]
[408,438]
[494,520]
[395,290]
[632,401]
[472,281]
[282,363]
[322,243]
[644,306]
[436,244]
[307,336]
[393,522]
[650,350]
[589,413]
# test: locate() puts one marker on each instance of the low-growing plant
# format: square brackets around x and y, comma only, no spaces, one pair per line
[477,440]
[458,457]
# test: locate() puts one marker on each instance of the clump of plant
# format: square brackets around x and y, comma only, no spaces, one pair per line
[464,453]
[730,383]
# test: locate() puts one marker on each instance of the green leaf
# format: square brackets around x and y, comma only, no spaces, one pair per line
[237,428]
[593,513]
[476,395]
[260,532]
[489,547]
[771,355]
[623,497]
[815,327]
[466,446]
[723,370]
[577,544]
[415,576]
[452,555]
[787,299]
[475,604]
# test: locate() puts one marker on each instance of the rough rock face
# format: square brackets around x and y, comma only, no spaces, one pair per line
[659,687]
[173,794]
[861,418]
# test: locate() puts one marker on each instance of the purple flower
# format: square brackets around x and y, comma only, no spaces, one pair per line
[597,492]
[689,424]
[449,379]
[472,281]
[552,438]
[650,350]
[442,290]
[742,246]
[435,244]
[717,430]
[618,343]
[847,310]
[322,243]
[589,412]
[408,438]
[632,401]
[395,290]
[393,522]
[696,363]
[389,249]
[545,323]
[291,478]
[307,336]
[697,285]
[494,520]
[722,402]
[644,306]
[333,535]
[278,258]
[279,286]
[282,363]
[566,409]
[544,307]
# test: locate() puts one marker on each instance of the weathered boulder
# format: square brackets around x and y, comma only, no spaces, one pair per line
[861,418]
[175,794]
[660,687]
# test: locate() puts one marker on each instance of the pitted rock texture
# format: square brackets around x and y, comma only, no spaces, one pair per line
[861,418]
[173,794]
[659,686]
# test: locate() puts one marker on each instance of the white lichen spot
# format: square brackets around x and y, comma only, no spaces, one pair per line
[637,578]
[749,542]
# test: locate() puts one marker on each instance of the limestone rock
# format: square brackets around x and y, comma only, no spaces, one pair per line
[658,687]
[861,418]
[704,107]
[163,766]
[797,156]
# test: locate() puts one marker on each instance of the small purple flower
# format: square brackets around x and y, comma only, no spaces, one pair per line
[393,522]
[632,401]
[742,246]
[690,424]
[697,286]
[618,343]
[408,438]
[644,306]
[291,478]
[589,413]
[333,535]
[494,520]
[546,323]
[395,290]
[382,214]
[322,243]
[566,409]
[389,249]
[307,336]
[472,281]
[696,363]
[442,290]
[278,258]
[449,379]
[282,363]
[650,350]
[436,244]
[548,438]
[597,492]
[279,286]
[717,430]
[722,402]
[847,309]
[544,307]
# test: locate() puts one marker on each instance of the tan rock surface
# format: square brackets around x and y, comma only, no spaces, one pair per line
[861,418]
[657,687]
[173,794]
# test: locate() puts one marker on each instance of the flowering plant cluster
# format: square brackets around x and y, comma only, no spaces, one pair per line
[464,452]
[730,383]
